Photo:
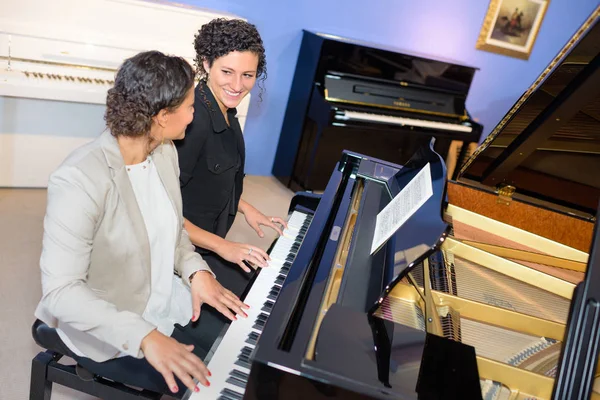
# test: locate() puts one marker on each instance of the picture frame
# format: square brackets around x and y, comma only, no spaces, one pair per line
[511,27]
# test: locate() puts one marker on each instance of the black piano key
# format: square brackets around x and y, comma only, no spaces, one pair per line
[244,359]
[251,340]
[290,258]
[262,317]
[246,351]
[234,381]
[254,335]
[242,376]
[268,306]
[259,325]
[243,364]
[232,394]
[272,296]
[225,397]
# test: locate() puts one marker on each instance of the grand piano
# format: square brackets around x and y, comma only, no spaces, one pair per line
[490,290]
[358,96]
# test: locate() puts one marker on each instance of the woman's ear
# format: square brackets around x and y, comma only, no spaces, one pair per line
[161,118]
[206,66]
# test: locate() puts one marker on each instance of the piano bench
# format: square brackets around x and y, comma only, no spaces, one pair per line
[46,370]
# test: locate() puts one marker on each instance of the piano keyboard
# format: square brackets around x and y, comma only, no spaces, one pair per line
[390,119]
[230,364]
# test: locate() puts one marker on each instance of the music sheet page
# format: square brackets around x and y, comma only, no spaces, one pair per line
[402,207]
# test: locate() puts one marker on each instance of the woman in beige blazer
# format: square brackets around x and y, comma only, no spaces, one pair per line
[120,278]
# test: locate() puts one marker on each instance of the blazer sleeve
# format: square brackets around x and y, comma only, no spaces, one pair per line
[74,207]
[190,147]
[187,261]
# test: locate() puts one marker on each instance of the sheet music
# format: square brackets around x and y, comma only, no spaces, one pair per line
[402,207]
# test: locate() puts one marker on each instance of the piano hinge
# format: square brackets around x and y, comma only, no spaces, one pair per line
[505,194]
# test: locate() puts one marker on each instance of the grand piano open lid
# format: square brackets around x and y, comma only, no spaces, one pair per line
[547,147]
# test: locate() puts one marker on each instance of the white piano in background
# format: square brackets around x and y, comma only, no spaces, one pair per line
[58,59]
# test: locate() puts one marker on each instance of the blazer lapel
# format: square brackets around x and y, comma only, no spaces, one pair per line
[123,185]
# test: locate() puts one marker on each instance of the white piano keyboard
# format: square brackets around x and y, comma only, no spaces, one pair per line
[230,364]
[389,119]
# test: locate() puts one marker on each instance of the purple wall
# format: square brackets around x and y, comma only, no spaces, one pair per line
[434,28]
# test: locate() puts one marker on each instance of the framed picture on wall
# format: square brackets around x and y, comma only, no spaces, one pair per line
[510,27]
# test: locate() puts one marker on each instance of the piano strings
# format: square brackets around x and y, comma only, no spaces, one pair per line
[510,322]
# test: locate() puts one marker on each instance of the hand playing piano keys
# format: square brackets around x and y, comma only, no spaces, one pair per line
[171,358]
[230,365]
[245,255]
[206,289]
[255,219]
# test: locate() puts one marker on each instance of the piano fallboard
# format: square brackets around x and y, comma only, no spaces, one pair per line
[341,88]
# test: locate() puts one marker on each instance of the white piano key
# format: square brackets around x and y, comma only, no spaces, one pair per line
[360,116]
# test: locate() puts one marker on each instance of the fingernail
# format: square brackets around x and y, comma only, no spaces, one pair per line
[175,389]
[207,383]
[196,389]
[209,374]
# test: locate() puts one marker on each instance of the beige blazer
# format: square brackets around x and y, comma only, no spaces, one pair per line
[95,260]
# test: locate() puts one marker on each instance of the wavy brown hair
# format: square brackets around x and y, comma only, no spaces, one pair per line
[145,84]
[221,36]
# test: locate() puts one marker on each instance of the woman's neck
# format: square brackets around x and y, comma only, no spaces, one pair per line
[136,149]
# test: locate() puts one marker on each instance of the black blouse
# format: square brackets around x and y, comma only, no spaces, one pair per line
[211,162]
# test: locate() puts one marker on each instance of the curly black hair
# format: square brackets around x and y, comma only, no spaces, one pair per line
[221,36]
[145,84]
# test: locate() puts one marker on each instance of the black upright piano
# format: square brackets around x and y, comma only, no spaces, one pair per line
[356,96]
[489,291]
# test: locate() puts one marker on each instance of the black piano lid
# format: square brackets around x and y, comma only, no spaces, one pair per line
[548,145]
[379,46]
[392,64]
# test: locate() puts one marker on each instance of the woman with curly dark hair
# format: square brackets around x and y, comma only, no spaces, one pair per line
[120,278]
[230,58]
